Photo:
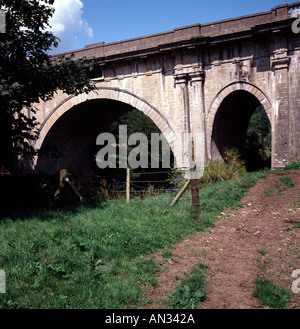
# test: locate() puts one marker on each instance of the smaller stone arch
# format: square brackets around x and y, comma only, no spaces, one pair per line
[240,85]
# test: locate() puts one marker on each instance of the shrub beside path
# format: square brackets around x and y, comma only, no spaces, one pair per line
[259,240]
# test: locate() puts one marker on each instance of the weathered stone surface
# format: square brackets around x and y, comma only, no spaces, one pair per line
[182,76]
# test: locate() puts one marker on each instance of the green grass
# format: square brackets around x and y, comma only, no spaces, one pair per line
[277,187]
[293,166]
[93,257]
[270,294]
[287,181]
[296,225]
[190,291]
[262,252]
[88,257]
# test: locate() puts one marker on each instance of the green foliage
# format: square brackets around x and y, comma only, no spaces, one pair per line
[95,257]
[262,252]
[137,121]
[296,224]
[190,291]
[287,181]
[277,186]
[28,74]
[259,124]
[88,257]
[271,294]
[232,168]
[293,166]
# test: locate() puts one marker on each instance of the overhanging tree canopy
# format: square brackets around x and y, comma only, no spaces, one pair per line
[29,74]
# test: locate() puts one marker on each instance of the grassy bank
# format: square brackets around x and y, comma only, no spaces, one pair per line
[95,257]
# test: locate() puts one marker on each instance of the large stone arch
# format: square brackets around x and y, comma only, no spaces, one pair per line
[111,93]
[261,97]
[107,94]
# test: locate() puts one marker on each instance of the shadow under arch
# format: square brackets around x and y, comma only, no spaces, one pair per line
[229,116]
[76,122]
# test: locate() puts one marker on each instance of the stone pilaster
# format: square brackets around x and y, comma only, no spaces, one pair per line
[183,117]
[198,126]
[280,124]
[181,85]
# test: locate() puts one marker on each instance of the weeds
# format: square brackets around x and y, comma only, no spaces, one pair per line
[230,169]
[271,294]
[287,181]
[293,166]
[262,252]
[190,291]
[296,225]
[167,255]
[277,186]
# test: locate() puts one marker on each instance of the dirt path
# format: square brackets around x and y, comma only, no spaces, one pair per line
[257,240]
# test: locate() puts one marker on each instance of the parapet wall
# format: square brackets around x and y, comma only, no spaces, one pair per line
[195,31]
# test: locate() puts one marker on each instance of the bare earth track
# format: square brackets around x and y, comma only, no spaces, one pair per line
[257,240]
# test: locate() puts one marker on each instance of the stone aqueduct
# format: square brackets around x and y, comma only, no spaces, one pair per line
[206,79]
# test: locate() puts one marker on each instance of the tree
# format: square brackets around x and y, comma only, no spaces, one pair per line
[259,129]
[29,74]
[137,121]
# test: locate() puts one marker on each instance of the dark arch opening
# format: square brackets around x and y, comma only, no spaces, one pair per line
[230,129]
[71,141]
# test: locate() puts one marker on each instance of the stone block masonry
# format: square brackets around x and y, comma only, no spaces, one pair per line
[202,78]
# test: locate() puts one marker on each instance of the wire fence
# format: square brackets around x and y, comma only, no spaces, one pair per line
[113,187]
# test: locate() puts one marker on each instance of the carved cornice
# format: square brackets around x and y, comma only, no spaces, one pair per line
[181,78]
[280,59]
[197,75]
[193,76]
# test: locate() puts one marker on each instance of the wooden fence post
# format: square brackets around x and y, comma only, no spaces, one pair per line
[63,178]
[128,185]
[74,189]
[186,185]
[195,194]
[63,174]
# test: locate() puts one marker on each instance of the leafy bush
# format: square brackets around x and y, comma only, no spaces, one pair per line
[215,170]
[232,168]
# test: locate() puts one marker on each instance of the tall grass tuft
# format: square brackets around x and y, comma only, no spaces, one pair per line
[271,294]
